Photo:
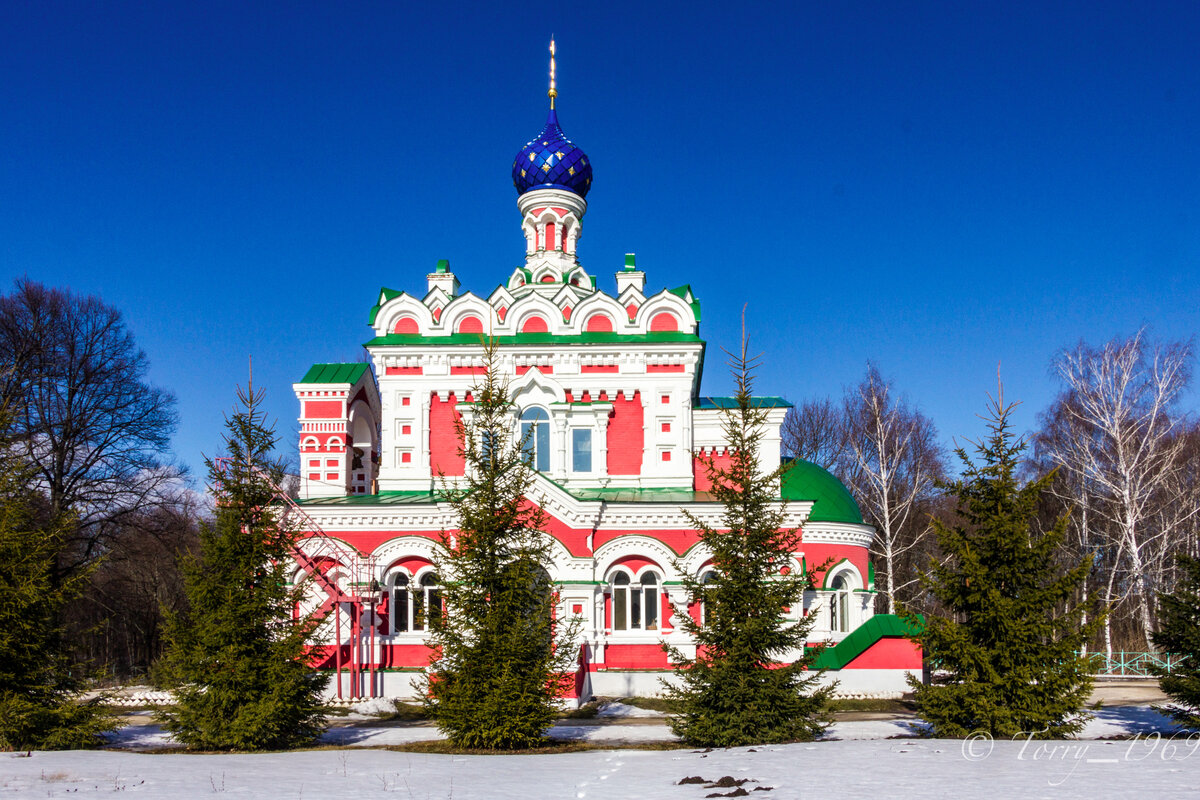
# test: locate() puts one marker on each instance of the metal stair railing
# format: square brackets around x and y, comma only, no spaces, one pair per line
[324,553]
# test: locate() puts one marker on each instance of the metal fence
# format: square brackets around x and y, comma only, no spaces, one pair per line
[1130,664]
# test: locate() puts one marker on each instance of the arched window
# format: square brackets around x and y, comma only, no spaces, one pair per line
[427,600]
[634,605]
[707,578]
[399,609]
[535,438]
[839,604]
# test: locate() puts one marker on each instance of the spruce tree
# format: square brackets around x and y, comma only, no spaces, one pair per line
[502,657]
[40,707]
[1179,635]
[739,689]
[237,659]
[1005,656]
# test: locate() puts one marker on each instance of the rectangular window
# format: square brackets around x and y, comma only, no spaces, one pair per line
[581,449]
[537,444]
[618,608]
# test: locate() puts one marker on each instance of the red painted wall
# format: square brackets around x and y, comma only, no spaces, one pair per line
[600,323]
[889,653]
[635,563]
[406,325]
[405,370]
[664,368]
[700,479]
[404,655]
[322,409]
[626,437]
[815,556]
[679,540]
[634,656]
[444,457]
[470,324]
[664,322]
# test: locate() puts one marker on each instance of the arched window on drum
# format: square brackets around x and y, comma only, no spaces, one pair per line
[839,603]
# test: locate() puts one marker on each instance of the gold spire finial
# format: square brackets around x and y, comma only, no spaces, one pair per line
[553,93]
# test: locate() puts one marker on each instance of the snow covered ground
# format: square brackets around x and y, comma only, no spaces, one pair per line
[860,762]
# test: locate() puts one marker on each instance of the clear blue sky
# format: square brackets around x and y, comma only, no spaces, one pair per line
[935,187]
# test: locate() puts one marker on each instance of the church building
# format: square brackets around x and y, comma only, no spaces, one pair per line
[605,380]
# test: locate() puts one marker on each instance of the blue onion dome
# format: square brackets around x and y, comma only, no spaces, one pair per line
[552,161]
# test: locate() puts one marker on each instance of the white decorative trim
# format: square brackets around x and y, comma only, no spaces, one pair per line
[838,533]
[609,553]
[395,549]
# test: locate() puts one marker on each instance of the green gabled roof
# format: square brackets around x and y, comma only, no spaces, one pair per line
[381,499]
[731,402]
[832,502]
[859,640]
[385,294]
[683,292]
[538,338]
[334,373]
[630,495]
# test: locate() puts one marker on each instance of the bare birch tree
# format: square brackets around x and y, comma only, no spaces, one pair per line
[894,464]
[815,431]
[1123,441]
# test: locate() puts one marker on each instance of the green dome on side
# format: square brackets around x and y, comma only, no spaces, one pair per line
[832,502]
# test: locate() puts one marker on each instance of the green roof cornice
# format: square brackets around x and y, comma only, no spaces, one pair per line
[731,402]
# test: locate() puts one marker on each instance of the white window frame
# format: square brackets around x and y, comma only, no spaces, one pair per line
[414,601]
[636,591]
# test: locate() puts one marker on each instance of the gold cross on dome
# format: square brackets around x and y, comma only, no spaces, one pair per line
[553,93]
